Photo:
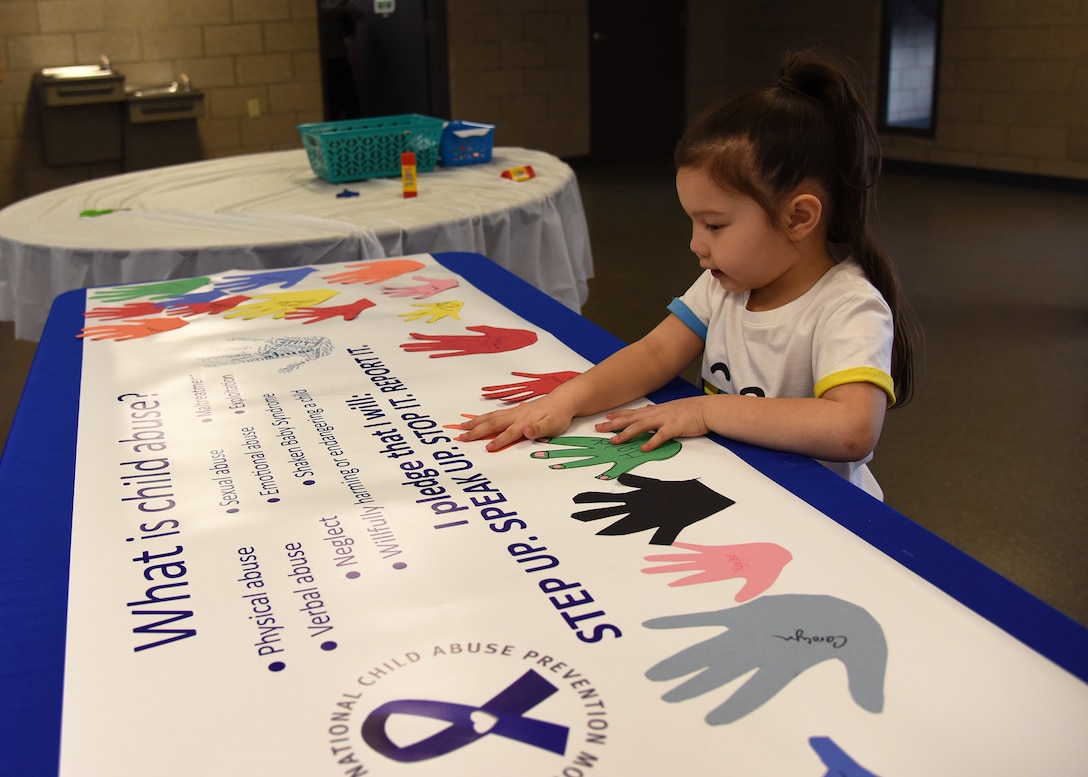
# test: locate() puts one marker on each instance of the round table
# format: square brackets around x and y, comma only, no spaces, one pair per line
[270,210]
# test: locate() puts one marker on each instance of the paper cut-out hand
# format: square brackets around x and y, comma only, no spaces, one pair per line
[211,307]
[280,304]
[195,298]
[669,506]
[759,563]
[598,450]
[346,312]
[161,290]
[780,637]
[539,385]
[131,330]
[429,288]
[838,763]
[436,310]
[461,426]
[490,340]
[286,278]
[374,271]
[128,310]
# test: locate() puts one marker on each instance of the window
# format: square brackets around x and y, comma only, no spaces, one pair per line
[909,47]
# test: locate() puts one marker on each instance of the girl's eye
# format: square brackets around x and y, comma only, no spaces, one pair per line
[714,227]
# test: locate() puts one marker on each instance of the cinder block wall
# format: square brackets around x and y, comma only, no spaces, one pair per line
[524,66]
[1013,92]
[1013,74]
[521,64]
[247,56]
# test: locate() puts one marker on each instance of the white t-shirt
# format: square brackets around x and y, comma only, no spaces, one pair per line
[839,331]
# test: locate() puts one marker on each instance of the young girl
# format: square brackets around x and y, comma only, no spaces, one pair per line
[798,312]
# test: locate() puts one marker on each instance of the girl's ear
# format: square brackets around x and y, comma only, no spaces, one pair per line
[802,215]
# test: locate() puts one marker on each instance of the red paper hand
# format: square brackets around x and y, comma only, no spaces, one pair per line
[216,306]
[131,330]
[490,340]
[542,383]
[346,312]
[128,310]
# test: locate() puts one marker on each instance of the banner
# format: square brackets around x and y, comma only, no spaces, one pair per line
[284,562]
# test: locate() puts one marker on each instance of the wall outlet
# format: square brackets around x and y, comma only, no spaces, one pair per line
[253,106]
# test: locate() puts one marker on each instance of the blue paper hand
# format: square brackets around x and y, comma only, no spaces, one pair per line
[250,281]
[838,763]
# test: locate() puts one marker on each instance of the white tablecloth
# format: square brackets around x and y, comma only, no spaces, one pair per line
[270,210]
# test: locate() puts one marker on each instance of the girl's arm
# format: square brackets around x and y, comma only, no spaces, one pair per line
[842,425]
[628,374]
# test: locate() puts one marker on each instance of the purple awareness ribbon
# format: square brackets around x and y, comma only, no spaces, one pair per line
[506,708]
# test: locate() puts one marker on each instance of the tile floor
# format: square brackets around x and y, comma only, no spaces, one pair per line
[991,454]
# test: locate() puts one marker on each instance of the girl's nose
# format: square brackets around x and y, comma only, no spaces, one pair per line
[696,245]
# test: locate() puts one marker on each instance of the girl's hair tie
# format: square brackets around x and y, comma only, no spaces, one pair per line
[790,84]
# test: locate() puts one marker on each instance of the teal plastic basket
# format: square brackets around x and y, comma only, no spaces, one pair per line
[357,149]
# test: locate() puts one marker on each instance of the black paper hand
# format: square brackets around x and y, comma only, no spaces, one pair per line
[666,505]
[780,637]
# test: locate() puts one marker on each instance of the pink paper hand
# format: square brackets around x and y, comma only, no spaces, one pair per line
[759,563]
[430,287]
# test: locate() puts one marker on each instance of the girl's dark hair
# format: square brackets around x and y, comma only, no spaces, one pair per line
[811,126]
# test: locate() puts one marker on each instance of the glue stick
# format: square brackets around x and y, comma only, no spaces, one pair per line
[408,173]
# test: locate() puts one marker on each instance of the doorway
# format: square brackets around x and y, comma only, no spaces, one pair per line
[637,66]
[383,58]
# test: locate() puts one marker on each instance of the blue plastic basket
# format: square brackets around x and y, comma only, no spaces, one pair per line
[357,149]
[466,143]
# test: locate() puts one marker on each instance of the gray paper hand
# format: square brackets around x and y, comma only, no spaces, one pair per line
[780,637]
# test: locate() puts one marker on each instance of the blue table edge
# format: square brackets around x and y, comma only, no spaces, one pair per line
[42,442]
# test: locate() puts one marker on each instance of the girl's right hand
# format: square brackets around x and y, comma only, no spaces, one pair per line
[543,417]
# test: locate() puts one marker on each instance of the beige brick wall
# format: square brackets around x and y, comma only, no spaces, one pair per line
[1013,74]
[1013,93]
[234,51]
[1013,89]
[523,65]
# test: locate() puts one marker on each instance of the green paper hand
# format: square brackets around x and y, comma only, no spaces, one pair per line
[598,450]
[162,290]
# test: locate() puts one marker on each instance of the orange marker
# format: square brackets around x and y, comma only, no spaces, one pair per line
[408,173]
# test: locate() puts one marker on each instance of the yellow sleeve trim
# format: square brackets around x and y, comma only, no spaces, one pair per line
[878,378]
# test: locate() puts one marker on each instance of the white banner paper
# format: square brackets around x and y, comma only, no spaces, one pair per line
[283,562]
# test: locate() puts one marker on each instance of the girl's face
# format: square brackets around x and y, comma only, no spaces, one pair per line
[731,235]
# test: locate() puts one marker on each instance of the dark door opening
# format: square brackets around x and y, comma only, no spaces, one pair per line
[385,62]
[637,66]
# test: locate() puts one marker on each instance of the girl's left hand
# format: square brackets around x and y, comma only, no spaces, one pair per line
[678,418]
